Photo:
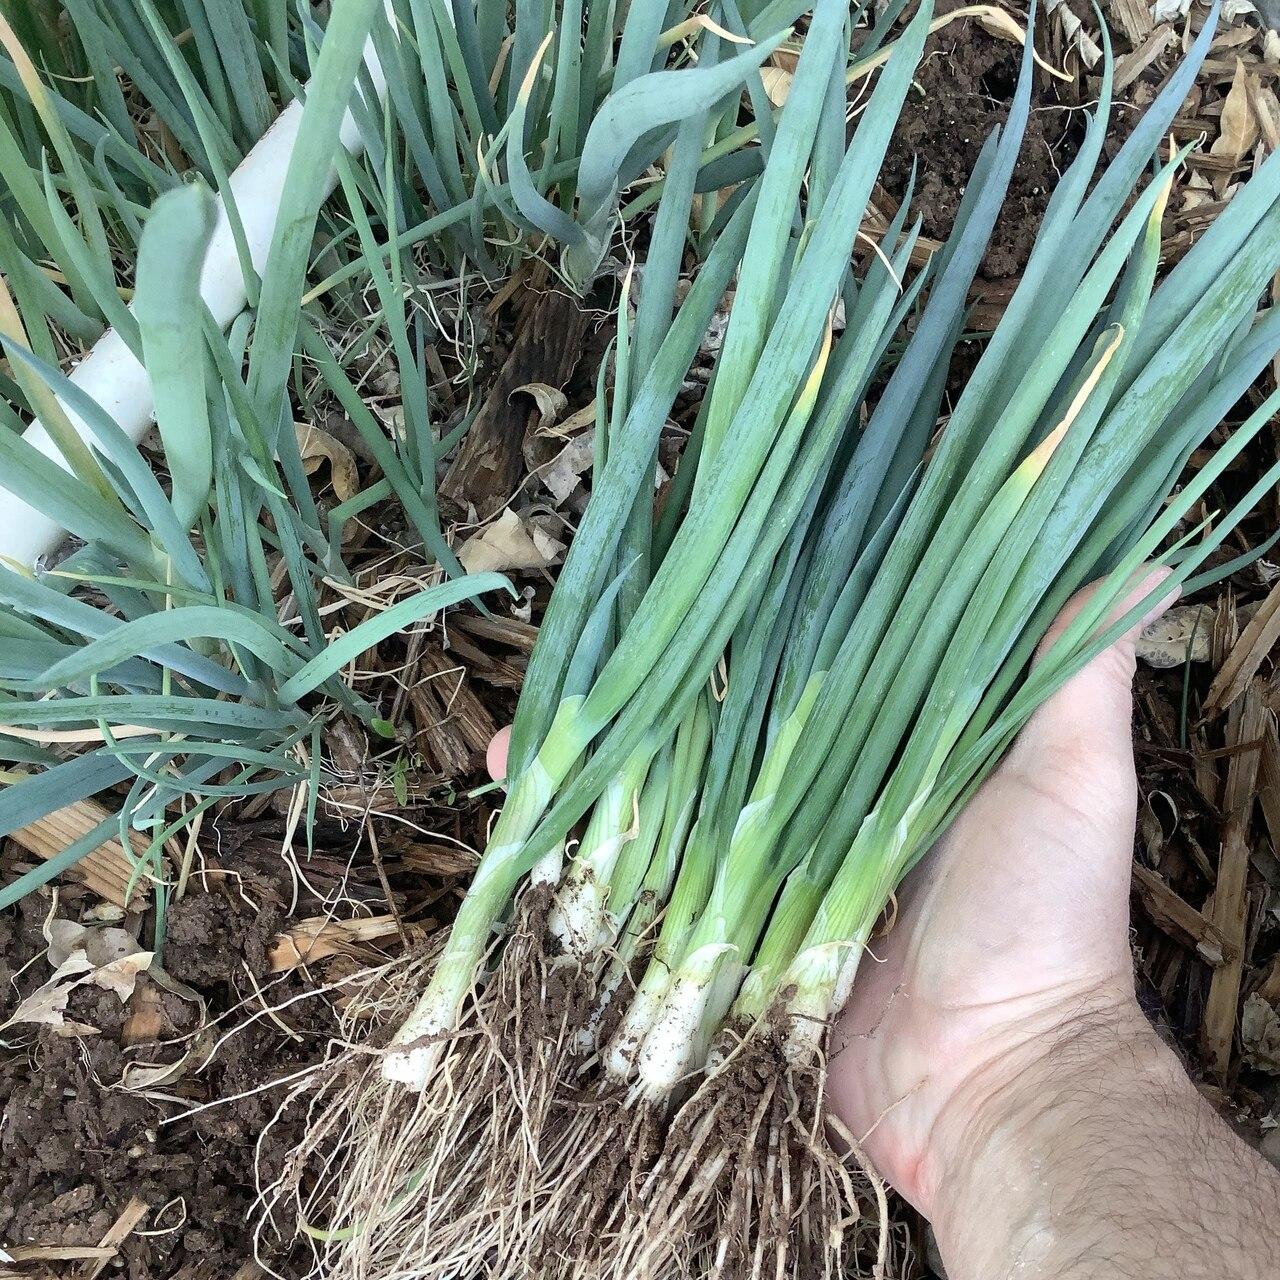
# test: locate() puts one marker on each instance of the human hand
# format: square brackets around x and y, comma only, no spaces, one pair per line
[1016,925]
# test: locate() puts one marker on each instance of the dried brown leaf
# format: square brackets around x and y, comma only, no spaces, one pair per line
[777,84]
[1238,126]
[1260,1035]
[318,447]
[551,402]
[509,543]
[121,976]
[102,946]
[997,22]
[47,1004]
[1165,642]
[1073,29]
[561,474]
[107,958]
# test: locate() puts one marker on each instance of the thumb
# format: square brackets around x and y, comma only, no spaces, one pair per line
[1094,709]
[495,757]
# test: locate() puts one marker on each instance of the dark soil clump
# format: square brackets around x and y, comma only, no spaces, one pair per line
[962,93]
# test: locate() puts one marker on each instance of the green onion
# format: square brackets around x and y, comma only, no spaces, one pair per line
[871,604]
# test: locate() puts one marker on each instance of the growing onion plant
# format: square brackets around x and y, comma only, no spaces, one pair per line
[103,108]
[156,652]
[181,647]
[746,719]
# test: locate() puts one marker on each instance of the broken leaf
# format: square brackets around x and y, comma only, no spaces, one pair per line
[551,402]
[777,84]
[1164,643]
[109,958]
[121,975]
[1260,1035]
[578,420]
[46,1005]
[101,945]
[560,475]
[558,454]
[1197,191]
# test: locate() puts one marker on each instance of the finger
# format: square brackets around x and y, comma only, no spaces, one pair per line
[495,756]
[1095,706]
[1144,584]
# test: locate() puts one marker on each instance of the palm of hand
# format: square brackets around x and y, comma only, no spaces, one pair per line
[1016,918]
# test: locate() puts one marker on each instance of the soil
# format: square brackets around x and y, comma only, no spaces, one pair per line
[75,1147]
[961,94]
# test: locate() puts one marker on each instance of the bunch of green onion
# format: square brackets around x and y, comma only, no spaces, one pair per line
[745,721]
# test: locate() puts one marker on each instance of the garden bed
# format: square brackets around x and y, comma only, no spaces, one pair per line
[132,1140]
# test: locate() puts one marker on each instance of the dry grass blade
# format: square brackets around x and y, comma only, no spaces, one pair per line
[25,1253]
[1247,654]
[1229,910]
[119,1231]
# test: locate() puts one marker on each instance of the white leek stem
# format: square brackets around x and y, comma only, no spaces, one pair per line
[675,1040]
[579,919]
[820,979]
[624,1048]
[418,1044]
[113,376]
[546,871]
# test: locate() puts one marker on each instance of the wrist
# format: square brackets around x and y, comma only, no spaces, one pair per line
[985,1177]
